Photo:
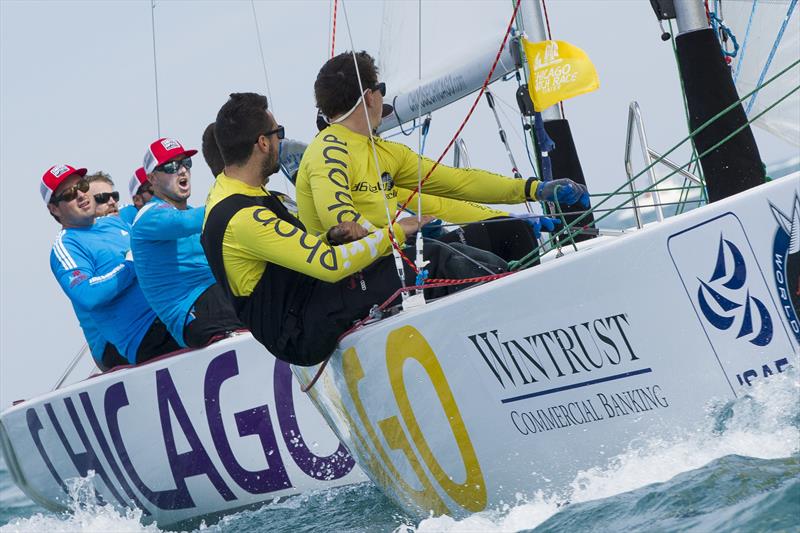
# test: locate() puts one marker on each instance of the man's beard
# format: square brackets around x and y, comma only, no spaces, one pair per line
[269,167]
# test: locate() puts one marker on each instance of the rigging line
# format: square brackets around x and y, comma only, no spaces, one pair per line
[261,51]
[527,259]
[550,38]
[471,110]
[419,261]
[771,56]
[155,64]
[397,253]
[332,30]
[746,40]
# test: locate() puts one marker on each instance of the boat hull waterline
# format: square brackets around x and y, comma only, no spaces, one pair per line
[192,436]
[501,391]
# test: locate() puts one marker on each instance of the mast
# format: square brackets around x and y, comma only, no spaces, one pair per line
[564,158]
[736,165]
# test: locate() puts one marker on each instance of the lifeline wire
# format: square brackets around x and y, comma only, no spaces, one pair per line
[526,261]
[261,51]
[155,65]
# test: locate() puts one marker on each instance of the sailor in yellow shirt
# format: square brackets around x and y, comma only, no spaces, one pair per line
[295,292]
[338,180]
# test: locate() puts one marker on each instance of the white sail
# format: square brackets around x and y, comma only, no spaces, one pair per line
[765,19]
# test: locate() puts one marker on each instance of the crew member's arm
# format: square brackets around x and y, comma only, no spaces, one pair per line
[74,270]
[163,222]
[460,183]
[258,233]
[454,211]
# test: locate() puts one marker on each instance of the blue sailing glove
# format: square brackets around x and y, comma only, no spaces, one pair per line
[433,229]
[538,223]
[564,190]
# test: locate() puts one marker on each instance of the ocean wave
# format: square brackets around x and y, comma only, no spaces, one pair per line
[751,443]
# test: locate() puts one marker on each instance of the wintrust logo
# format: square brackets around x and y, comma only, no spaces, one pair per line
[733,302]
[717,297]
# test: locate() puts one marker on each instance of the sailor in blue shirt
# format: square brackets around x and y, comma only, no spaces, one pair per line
[141,193]
[91,261]
[170,262]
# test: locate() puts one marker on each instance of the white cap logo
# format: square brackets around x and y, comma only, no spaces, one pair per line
[58,170]
[170,144]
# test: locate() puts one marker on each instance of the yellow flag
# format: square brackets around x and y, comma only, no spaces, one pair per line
[559,71]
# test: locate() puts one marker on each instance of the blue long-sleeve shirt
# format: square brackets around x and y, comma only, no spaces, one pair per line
[128,213]
[170,262]
[89,264]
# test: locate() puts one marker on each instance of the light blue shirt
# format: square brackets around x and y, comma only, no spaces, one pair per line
[170,262]
[128,213]
[89,264]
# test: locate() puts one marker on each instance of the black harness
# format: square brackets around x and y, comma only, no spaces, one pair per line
[273,311]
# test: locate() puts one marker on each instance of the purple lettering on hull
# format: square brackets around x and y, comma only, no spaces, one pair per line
[101,439]
[255,421]
[83,461]
[334,466]
[178,498]
[196,461]
[35,426]
[90,460]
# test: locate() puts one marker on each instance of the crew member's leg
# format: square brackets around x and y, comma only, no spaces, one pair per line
[213,315]
[111,358]
[334,307]
[157,341]
[508,238]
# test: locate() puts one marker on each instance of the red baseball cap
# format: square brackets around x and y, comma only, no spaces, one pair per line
[136,181]
[162,151]
[54,177]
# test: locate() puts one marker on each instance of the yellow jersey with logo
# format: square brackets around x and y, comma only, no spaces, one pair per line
[337,181]
[255,237]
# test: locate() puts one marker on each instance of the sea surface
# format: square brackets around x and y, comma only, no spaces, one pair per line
[739,472]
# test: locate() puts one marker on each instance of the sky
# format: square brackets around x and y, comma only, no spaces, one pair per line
[77,86]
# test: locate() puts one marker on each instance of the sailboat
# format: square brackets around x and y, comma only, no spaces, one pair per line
[460,404]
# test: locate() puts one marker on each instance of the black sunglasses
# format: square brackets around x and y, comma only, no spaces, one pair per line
[104,197]
[381,87]
[173,167]
[145,189]
[279,131]
[71,193]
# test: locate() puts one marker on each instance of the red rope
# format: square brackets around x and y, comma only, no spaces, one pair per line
[550,38]
[433,284]
[469,114]
[453,140]
[333,31]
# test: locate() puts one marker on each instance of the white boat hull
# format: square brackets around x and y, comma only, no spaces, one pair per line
[507,389]
[189,437]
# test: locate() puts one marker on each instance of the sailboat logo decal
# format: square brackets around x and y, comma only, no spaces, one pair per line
[786,263]
[732,279]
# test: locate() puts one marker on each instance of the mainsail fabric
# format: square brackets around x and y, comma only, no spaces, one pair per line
[765,19]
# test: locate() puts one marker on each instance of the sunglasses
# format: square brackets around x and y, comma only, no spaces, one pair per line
[145,189]
[280,131]
[174,166]
[71,193]
[381,88]
[104,197]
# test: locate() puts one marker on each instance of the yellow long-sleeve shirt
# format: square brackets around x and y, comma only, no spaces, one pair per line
[337,181]
[255,237]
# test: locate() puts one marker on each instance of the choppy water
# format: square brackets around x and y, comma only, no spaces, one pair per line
[740,472]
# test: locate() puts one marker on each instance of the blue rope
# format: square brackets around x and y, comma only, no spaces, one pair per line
[717,24]
[746,40]
[771,55]
[546,144]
